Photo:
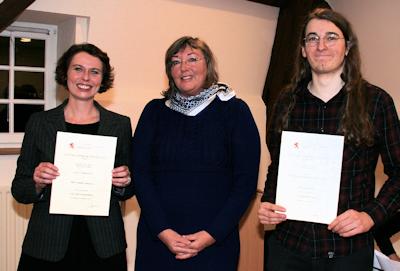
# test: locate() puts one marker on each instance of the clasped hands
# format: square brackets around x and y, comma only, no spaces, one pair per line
[46,172]
[186,246]
[347,224]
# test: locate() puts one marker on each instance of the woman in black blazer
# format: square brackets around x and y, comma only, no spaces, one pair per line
[68,242]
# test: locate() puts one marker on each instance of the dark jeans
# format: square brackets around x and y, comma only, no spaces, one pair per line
[279,258]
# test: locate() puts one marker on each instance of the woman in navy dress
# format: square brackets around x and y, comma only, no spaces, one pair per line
[195,161]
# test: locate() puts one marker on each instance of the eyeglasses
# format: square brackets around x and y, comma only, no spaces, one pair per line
[313,40]
[191,61]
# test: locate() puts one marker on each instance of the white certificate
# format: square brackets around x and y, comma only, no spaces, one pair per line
[384,263]
[85,163]
[309,176]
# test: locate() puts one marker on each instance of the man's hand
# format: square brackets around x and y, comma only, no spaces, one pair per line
[351,223]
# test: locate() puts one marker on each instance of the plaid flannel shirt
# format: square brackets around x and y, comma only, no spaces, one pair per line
[357,187]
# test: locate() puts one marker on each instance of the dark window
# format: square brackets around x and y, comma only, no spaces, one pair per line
[22,112]
[4,118]
[4,50]
[29,52]
[29,85]
[4,84]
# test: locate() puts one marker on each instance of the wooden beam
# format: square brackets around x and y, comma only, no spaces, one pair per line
[9,151]
[10,10]
[275,3]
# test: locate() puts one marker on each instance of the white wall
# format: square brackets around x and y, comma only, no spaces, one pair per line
[376,24]
[136,33]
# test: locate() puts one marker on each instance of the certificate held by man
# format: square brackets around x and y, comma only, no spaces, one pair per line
[309,176]
[85,164]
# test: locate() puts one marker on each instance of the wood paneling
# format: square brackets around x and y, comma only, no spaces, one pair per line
[251,239]
[9,151]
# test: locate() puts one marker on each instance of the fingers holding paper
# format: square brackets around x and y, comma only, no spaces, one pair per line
[270,214]
[121,176]
[351,223]
[44,174]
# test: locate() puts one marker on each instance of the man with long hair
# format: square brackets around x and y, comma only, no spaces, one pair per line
[327,95]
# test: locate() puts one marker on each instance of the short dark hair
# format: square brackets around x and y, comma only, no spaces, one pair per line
[195,43]
[65,60]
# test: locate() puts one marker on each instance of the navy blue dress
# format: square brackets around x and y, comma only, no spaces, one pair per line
[194,173]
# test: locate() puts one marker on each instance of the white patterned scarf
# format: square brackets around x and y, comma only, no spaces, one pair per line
[193,105]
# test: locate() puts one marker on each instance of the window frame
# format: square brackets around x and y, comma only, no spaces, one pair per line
[47,32]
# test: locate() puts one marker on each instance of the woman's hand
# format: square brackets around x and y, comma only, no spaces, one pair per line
[394,257]
[351,223]
[121,176]
[44,174]
[177,244]
[268,213]
[199,241]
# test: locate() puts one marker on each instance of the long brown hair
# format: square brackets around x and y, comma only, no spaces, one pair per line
[355,124]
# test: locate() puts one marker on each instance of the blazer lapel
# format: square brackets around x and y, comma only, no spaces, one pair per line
[106,122]
[55,118]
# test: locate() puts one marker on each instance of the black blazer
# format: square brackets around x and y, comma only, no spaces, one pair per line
[48,234]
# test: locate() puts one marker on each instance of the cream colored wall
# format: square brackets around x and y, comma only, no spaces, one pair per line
[136,33]
[376,25]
